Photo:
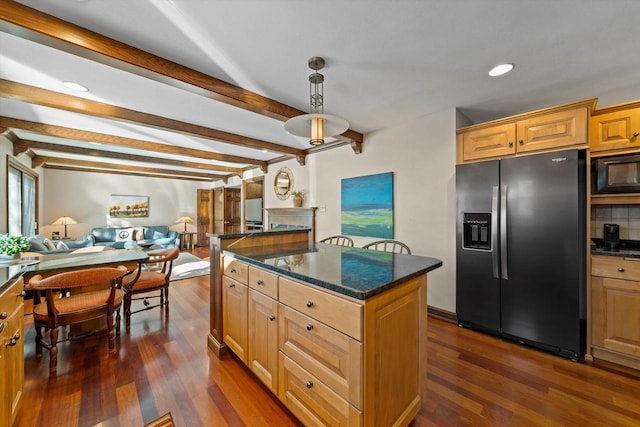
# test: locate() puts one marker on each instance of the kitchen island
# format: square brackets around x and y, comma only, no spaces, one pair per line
[338,334]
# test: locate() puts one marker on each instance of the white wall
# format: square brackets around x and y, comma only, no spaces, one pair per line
[85,197]
[421,154]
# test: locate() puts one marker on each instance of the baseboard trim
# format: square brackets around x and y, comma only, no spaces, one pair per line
[441,314]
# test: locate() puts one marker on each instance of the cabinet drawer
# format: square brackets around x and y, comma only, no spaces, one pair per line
[263,281]
[329,355]
[11,298]
[236,270]
[335,311]
[615,267]
[310,400]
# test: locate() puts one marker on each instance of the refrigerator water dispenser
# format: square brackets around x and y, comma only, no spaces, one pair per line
[476,231]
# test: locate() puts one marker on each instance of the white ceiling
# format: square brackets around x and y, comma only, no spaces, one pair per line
[387,61]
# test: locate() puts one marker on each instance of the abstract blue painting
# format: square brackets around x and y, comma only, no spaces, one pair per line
[367,206]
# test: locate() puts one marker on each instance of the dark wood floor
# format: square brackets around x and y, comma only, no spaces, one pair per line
[163,365]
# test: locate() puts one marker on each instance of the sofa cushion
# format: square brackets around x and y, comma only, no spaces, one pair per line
[158,235]
[138,233]
[104,234]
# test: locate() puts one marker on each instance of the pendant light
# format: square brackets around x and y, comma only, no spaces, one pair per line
[316,126]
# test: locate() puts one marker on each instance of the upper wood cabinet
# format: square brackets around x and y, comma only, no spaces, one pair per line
[548,129]
[616,128]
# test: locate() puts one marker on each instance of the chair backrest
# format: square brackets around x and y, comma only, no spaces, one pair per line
[77,278]
[388,246]
[165,256]
[93,249]
[338,240]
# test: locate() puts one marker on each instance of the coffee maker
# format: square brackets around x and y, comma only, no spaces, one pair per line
[612,236]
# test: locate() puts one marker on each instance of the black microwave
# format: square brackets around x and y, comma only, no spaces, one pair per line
[620,174]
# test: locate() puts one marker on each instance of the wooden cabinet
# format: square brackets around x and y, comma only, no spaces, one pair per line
[616,129]
[263,326]
[331,359]
[234,299]
[550,129]
[615,314]
[11,352]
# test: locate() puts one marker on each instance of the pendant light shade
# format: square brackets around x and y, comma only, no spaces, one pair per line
[316,126]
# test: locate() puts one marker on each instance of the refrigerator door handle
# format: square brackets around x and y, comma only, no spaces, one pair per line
[494,232]
[503,233]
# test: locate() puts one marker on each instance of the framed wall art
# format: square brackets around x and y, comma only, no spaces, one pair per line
[367,206]
[128,206]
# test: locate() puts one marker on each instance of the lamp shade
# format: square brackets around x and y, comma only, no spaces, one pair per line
[186,220]
[65,220]
[302,125]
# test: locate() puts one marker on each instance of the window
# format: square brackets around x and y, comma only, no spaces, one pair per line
[22,187]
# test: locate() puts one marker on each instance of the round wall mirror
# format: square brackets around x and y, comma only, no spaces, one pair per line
[283,183]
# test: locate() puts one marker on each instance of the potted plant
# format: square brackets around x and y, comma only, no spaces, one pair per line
[297,198]
[12,245]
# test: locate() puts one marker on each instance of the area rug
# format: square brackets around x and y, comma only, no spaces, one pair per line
[187,266]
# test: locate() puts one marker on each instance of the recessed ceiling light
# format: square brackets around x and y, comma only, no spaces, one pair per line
[500,69]
[76,86]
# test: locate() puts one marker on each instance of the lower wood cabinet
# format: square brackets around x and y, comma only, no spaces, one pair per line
[615,314]
[263,338]
[235,331]
[11,352]
[331,359]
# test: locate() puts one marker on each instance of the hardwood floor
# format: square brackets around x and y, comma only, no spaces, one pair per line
[163,365]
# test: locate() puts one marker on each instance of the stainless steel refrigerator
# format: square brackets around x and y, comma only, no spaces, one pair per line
[521,249]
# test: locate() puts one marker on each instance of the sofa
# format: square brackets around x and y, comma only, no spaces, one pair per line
[42,244]
[155,237]
[124,237]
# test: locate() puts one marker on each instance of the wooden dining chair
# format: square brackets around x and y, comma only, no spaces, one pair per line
[147,280]
[338,240]
[78,307]
[389,246]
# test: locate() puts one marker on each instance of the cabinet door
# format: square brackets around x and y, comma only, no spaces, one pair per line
[234,303]
[495,141]
[554,130]
[263,338]
[11,352]
[616,317]
[616,130]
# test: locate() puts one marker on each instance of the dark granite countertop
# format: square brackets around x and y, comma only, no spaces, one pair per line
[354,272]
[626,249]
[257,232]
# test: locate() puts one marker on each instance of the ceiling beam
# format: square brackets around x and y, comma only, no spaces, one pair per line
[119,141]
[82,165]
[48,98]
[31,24]
[74,169]
[22,145]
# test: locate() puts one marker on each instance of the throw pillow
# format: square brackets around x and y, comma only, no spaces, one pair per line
[138,234]
[49,245]
[62,246]
[124,235]
[158,235]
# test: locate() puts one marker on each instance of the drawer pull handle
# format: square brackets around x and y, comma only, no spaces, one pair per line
[4,315]
[521,142]
[309,384]
[232,285]
[22,294]
[621,270]
[510,143]
[260,282]
[309,326]
[309,304]
[272,317]
[233,270]
[636,134]
[14,340]
[2,327]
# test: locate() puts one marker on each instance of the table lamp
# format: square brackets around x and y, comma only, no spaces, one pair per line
[65,220]
[185,219]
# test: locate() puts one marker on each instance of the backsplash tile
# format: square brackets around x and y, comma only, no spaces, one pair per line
[626,216]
